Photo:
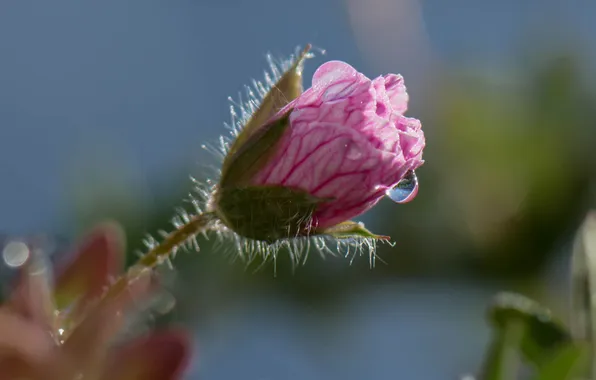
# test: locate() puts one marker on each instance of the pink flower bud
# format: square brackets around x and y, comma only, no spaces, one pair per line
[331,153]
[347,141]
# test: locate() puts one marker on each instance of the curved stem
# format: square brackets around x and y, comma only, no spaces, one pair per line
[503,358]
[583,291]
[163,250]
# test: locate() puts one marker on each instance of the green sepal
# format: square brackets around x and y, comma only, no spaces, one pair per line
[287,88]
[266,213]
[350,229]
[245,162]
[544,335]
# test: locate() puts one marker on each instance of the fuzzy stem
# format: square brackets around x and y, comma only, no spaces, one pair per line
[162,251]
[156,256]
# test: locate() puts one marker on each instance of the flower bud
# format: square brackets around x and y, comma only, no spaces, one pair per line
[328,155]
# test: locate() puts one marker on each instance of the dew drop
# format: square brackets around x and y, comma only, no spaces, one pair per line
[405,190]
[354,153]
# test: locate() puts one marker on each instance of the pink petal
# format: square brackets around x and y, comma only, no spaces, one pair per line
[330,161]
[396,92]
[160,356]
[333,80]
[411,139]
[333,71]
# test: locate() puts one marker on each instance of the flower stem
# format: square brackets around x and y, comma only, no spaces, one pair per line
[503,359]
[158,254]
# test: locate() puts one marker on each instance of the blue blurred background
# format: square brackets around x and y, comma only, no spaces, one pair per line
[104,107]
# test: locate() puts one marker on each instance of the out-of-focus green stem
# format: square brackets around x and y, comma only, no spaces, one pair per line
[583,291]
[503,358]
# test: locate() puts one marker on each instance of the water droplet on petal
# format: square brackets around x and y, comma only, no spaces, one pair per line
[405,190]
[354,152]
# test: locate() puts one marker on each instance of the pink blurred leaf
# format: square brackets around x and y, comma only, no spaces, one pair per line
[90,340]
[32,296]
[22,337]
[27,351]
[160,356]
[98,259]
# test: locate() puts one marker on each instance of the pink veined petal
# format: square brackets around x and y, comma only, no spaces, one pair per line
[355,194]
[410,144]
[330,161]
[382,103]
[313,153]
[411,137]
[350,113]
[396,92]
[331,72]
[332,81]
